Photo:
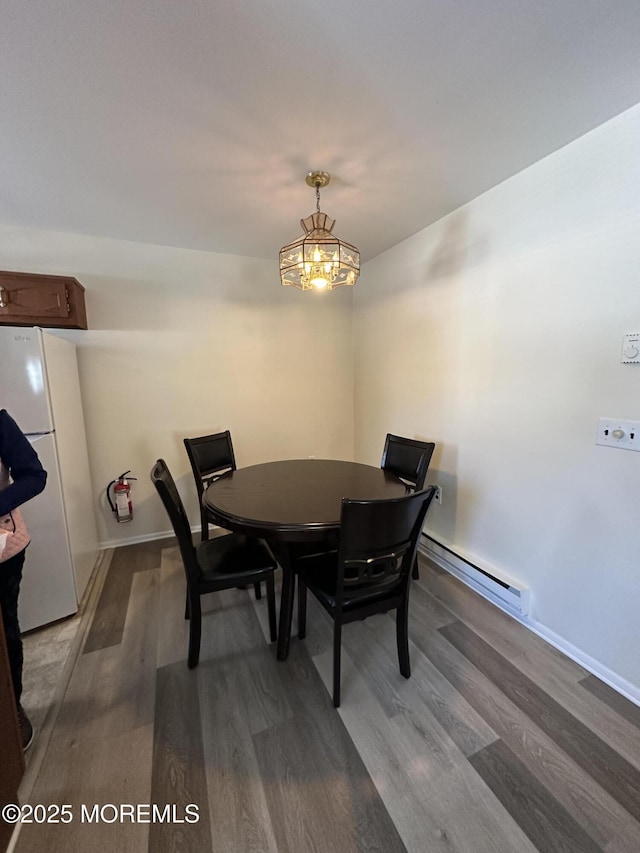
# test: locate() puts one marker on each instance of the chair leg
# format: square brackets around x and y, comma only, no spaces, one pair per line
[186,606]
[195,630]
[204,526]
[258,589]
[302,608]
[402,638]
[286,602]
[271,606]
[416,573]
[337,641]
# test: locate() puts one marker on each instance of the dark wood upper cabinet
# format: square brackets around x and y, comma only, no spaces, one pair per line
[50,301]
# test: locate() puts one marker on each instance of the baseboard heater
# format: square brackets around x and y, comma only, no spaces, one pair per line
[503,591]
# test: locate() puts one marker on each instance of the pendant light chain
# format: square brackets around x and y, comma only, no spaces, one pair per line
[318,198]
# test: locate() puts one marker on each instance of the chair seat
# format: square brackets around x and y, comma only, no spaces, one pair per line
[320,575]
[232,558]
[214,564]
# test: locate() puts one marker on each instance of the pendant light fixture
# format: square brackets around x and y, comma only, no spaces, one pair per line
[317,260]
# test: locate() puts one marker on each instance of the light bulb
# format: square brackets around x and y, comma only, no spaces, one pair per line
[319,282]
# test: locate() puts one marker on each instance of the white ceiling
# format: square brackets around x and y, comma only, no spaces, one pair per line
[193,122]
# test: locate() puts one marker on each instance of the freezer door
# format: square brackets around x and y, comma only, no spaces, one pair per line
[48,590]
[23,379]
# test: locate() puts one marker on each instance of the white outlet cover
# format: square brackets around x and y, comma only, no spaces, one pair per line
[613,432]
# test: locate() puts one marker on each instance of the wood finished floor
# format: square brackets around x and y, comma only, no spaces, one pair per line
[496,743]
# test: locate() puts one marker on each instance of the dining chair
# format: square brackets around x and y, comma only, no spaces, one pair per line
[409,460]
[370,573]
[223,562]
[210,456]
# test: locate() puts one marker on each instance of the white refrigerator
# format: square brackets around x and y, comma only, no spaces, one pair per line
[40,388]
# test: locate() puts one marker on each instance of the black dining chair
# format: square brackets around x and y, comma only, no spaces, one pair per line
[220,563]
[370,573]
[409,460]
[210,456]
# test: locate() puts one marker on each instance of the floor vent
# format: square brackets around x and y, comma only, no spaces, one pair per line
[506,592]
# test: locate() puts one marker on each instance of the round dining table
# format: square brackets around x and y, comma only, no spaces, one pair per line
[293,501]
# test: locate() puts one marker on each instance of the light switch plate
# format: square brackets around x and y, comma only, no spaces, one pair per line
[613,432]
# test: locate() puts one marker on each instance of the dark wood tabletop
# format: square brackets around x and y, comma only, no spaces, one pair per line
[297,500]
[294,500]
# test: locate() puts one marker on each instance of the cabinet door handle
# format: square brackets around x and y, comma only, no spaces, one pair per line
[3,293]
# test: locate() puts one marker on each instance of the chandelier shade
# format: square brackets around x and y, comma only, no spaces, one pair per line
[317,259]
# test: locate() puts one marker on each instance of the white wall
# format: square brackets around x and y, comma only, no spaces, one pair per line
[182,343]
[497,333]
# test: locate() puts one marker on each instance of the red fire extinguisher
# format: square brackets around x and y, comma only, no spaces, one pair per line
[121,503]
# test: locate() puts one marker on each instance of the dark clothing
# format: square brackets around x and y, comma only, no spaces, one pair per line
[17,454]
[10,577]
[28,479]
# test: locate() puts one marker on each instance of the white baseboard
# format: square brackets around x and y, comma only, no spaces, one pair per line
[136,540]
[595,667]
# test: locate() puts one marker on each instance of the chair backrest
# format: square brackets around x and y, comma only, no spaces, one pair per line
[408,459]
[210,456]
[378,543]
[166,488]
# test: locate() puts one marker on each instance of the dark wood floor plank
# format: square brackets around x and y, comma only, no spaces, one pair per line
[133,693]
[620,704]
[602,817]
[372,647]
[494,625]
[148,554]
[474,610]
[178,772]
[436,799]
[173,639]
[92,771]
[85,712]
[108,620]
[111,690]
[237,802]
[426,608]
[315,808]
[545,822]
[231,633]
[610,769]
[319,793]
[552,671]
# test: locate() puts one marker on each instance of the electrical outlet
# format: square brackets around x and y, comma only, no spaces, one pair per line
[438,495]
[618,433]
